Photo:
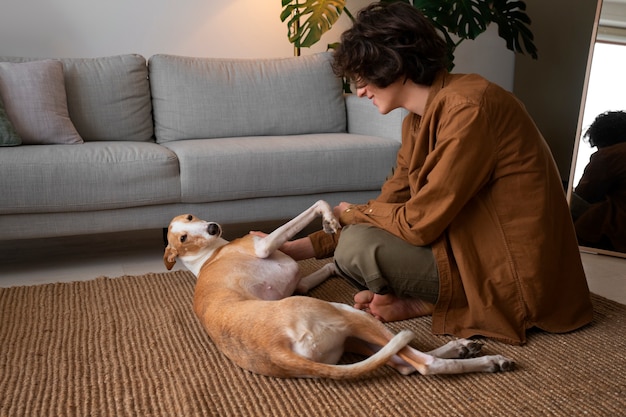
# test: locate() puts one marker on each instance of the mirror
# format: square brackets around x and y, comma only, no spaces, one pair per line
[600,219]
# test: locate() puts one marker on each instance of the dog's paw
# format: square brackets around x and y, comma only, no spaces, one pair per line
[499,363]
[330,224]
[458,349]
[468,348]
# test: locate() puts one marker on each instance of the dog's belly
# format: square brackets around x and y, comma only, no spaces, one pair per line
[274,278]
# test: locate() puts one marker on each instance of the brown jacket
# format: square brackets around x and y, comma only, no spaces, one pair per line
[476,181]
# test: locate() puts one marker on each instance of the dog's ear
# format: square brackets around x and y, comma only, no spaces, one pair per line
[169,257]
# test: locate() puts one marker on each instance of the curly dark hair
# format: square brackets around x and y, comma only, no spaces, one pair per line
[608,128]
[389,41]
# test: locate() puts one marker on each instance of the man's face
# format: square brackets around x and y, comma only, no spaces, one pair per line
[386,99]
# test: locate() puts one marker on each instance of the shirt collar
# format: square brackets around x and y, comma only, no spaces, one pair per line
[441,80]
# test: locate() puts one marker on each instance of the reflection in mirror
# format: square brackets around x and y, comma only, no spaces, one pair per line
[597,185]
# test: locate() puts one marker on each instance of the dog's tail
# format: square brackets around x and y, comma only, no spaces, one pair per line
[306,368]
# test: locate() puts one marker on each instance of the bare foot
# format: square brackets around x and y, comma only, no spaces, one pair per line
[390,307]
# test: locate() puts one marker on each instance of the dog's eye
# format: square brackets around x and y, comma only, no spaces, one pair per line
[189,217]
[183,238]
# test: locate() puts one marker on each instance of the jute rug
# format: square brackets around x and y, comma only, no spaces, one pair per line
[131,346]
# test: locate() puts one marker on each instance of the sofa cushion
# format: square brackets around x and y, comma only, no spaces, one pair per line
[252,167]
[108,98]
[198,98]
[34,97]
[92,176]
[8,135]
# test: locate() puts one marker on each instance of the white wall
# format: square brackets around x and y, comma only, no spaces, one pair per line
[208,28]
[552,86]
[88,28]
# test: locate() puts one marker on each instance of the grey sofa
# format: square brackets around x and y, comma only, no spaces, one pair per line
[230,140]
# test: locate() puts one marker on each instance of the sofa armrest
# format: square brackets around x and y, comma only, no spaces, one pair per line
[365,119]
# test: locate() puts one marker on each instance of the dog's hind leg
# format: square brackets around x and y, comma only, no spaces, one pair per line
[458,349]
[427,364]
[316,278]
[264,247]
[374,334]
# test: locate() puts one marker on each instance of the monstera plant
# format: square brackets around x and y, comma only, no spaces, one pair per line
[458,20]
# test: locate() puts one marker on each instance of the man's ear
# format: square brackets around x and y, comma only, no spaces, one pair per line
[169,257]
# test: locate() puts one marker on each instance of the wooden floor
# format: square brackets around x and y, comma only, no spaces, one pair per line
[79,258]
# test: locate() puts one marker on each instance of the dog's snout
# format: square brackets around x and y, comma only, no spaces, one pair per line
[213,229]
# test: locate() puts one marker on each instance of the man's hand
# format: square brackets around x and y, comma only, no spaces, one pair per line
[339,209]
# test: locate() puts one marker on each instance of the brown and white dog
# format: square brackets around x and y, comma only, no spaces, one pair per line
[243,300]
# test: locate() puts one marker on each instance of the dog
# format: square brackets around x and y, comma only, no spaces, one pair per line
[243,298]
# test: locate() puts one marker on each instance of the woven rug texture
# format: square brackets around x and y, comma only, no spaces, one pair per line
[131,346]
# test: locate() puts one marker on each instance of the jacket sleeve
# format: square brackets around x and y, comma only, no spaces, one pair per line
[594,183]
[324,244]
[459,164]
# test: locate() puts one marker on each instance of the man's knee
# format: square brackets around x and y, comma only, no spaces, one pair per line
[352,244]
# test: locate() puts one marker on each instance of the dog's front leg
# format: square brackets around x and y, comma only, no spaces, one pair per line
[264,247]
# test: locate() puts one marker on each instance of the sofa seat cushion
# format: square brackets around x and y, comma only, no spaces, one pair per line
[270,166]
[91,176]
[200,98]
[108,98]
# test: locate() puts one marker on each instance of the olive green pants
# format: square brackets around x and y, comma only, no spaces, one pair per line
[383,263]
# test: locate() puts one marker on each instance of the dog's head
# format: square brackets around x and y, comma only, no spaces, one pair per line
[188,236]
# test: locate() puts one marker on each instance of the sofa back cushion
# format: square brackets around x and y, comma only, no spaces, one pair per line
[107,98]
[36,102]
[200,98]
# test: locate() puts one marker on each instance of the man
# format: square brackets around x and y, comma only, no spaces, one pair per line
[601,191]
[472,226]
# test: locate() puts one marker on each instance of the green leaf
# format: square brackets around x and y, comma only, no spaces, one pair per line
[307,21]
[470,17]
[513,23]
[464,18]
[467,19]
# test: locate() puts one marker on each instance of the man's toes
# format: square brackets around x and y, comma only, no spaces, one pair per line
[363,297]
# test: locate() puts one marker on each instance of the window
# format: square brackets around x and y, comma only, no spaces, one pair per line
[606,91]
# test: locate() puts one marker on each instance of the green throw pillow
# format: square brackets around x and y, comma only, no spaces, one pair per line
[8,136]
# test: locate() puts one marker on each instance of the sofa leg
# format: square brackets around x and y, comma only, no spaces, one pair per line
[165,236]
